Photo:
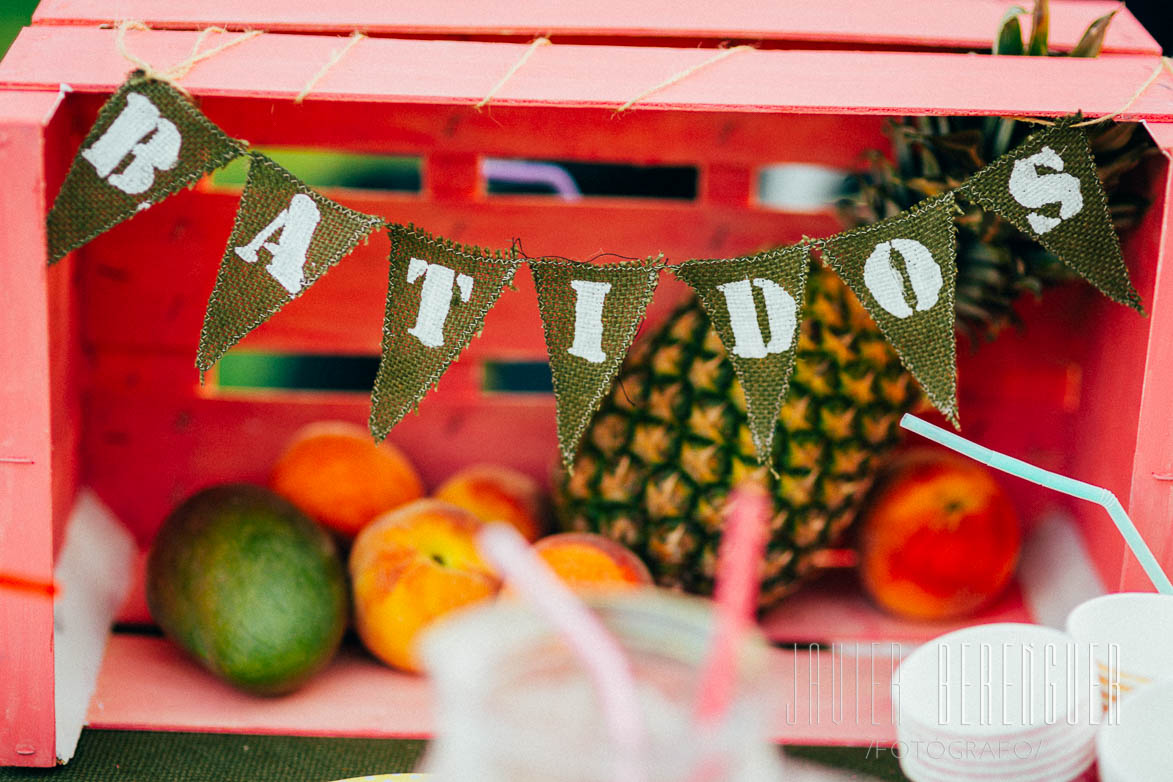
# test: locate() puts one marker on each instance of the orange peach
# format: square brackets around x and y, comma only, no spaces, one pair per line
[589,562]
[410,567]
[938,539]
[495,493]
[336,474]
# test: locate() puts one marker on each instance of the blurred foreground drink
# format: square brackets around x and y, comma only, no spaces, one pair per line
[514,704]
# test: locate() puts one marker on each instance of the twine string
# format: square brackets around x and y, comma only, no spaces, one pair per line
[173,74]
[1165,62]
[338,54]
[536,44]
[1161,66]
[682,75]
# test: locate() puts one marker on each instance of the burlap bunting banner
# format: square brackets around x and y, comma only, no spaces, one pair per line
[437,297]
[284,239]
[754,303]
[148,142]
[590,314]
[1048,188]
[903,270]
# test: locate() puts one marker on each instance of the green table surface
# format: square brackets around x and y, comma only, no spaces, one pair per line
[147,756]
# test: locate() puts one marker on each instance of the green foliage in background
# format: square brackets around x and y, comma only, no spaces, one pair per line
[14,14]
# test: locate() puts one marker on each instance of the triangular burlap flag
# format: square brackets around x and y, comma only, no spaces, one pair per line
[904,270]
[1048,188]
[755,303]
[590,314]
[147,143]
[437,297]
[285,237]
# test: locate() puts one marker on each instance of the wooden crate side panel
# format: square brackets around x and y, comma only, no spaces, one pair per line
[909,23]
[1105,428]
[1150,498]
[26,453]
[152,439]
[454,72]
[66,360]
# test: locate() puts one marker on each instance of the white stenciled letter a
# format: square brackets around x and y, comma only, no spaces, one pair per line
[125,136]
[297,224]
[781,315]
[435,299]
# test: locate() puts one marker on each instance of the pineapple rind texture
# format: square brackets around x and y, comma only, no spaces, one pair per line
[671,440]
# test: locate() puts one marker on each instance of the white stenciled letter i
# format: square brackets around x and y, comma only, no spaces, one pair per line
[588,320]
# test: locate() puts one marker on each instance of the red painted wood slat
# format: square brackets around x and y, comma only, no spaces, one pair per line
[27,460]
[969,24]
[142,299]
[1150,499]
[454,72]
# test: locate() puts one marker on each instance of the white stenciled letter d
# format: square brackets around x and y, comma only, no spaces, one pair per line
[781,316]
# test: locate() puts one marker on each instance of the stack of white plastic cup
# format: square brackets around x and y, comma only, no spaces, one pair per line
[1130,635]
[997,703]
[1136,747]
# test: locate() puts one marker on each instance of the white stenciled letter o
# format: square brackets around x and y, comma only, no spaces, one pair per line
[1034,190]
[125,136]
[886,285]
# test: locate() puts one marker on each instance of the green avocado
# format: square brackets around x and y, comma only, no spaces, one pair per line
[249,586]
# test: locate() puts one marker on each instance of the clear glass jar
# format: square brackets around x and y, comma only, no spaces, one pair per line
[513,703]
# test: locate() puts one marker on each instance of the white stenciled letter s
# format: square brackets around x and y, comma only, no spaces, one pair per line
[127,135]
[1034,190]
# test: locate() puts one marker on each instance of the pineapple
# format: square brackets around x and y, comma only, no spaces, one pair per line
[669,442]
[662,453]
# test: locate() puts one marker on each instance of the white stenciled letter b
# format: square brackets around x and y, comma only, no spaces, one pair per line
[435,299]
[588,320]
[1034,190]
[297,224]
[781,315]
[127,135]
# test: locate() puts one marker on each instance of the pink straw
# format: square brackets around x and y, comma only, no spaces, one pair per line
[508,551]
[738,581]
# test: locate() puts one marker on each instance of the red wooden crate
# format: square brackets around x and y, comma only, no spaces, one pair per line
[97,385]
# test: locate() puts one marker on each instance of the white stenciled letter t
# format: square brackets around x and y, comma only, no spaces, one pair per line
[435,299]
[125,136]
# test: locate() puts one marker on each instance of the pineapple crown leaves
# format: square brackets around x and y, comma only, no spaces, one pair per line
[996,263]
[1009,39]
